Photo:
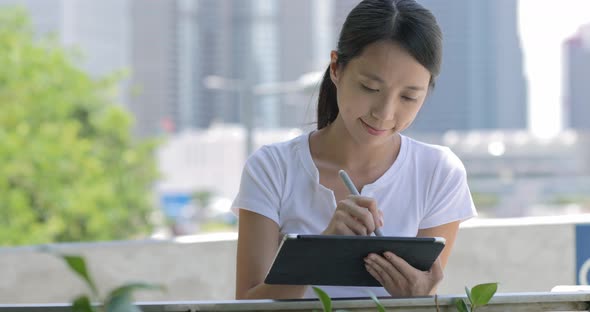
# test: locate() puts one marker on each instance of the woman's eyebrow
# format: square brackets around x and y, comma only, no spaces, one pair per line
[375,77]
[372,76]
[415,88]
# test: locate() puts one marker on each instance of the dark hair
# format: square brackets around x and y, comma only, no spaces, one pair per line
[402,21]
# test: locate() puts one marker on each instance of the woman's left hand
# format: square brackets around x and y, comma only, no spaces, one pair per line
[401,279]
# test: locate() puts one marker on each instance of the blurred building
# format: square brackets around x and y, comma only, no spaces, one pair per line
[521,174]
[154,81]
[210,159]
[577,80]
[514,154]
[307,37]
[482,85]
[248,43]
[256,42]
[235,40]
[242,42]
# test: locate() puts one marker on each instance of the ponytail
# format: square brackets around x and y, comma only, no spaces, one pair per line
[327,103]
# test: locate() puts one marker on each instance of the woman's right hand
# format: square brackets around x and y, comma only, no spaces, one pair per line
[355,215]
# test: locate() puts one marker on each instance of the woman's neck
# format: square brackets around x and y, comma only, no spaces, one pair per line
[333,147]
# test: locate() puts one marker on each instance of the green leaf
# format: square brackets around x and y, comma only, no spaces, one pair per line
[380,307]
[324,298]
[482,293]
[122,303]
[468,292]
[78,265]
[120,299]
[82,304]
[131,287]
[461,306]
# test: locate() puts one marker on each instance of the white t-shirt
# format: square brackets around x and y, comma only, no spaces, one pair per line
[425,187]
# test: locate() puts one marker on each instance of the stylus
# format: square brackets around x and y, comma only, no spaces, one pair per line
[354,191]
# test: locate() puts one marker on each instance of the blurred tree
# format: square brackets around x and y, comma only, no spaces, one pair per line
[203,198]
[569,199]
[485,200]
[69,167]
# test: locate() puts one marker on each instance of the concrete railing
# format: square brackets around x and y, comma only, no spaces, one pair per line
[579,301]
[523,255]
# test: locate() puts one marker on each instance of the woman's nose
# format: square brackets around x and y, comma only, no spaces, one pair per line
[384,111]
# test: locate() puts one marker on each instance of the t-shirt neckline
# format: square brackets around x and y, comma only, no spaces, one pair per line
[304,153]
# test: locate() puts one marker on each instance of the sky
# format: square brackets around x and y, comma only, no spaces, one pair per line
[544,26]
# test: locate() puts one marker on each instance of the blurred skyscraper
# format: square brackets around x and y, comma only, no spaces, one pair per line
[154,81]
[252,42]
[234,40]
[307,37]
[482,85]
[576,78]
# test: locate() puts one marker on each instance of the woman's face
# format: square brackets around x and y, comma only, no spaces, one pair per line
[379,92]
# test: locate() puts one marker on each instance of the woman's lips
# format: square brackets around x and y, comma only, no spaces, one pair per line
[373,131]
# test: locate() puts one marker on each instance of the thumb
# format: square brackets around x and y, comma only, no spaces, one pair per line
[436,270]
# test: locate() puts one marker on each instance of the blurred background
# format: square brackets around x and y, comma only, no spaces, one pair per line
[130,119]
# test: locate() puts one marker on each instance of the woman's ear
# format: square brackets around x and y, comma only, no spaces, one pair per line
[334,70]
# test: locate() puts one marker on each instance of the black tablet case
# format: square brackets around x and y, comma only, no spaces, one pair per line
[339,260]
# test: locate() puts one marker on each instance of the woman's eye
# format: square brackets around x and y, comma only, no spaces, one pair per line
[369,89]
[409,99]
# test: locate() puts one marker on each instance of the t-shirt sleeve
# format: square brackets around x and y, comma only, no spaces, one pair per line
[449,198]
[260,186]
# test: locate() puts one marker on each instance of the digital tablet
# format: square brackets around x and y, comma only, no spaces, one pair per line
[339,260]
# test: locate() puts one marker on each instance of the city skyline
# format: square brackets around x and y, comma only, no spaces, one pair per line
[542,43]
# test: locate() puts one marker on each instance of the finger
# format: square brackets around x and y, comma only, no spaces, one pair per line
[374,274]
[348,225]
[373,269]
[370,204]
[388,274]
[408,271]
[360,212]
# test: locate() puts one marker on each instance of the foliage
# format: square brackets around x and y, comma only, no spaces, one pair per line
[202,197]
[485,199]
[568,199]
[118,300]
[478,296]
[70,168]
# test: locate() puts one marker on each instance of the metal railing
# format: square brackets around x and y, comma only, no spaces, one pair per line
[573,301]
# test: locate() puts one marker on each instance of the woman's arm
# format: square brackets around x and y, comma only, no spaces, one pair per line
[258,241]
[449,232]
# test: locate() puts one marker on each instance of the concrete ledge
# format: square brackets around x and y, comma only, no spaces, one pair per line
[523,255]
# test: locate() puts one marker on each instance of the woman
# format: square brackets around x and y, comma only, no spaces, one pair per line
[387,59]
